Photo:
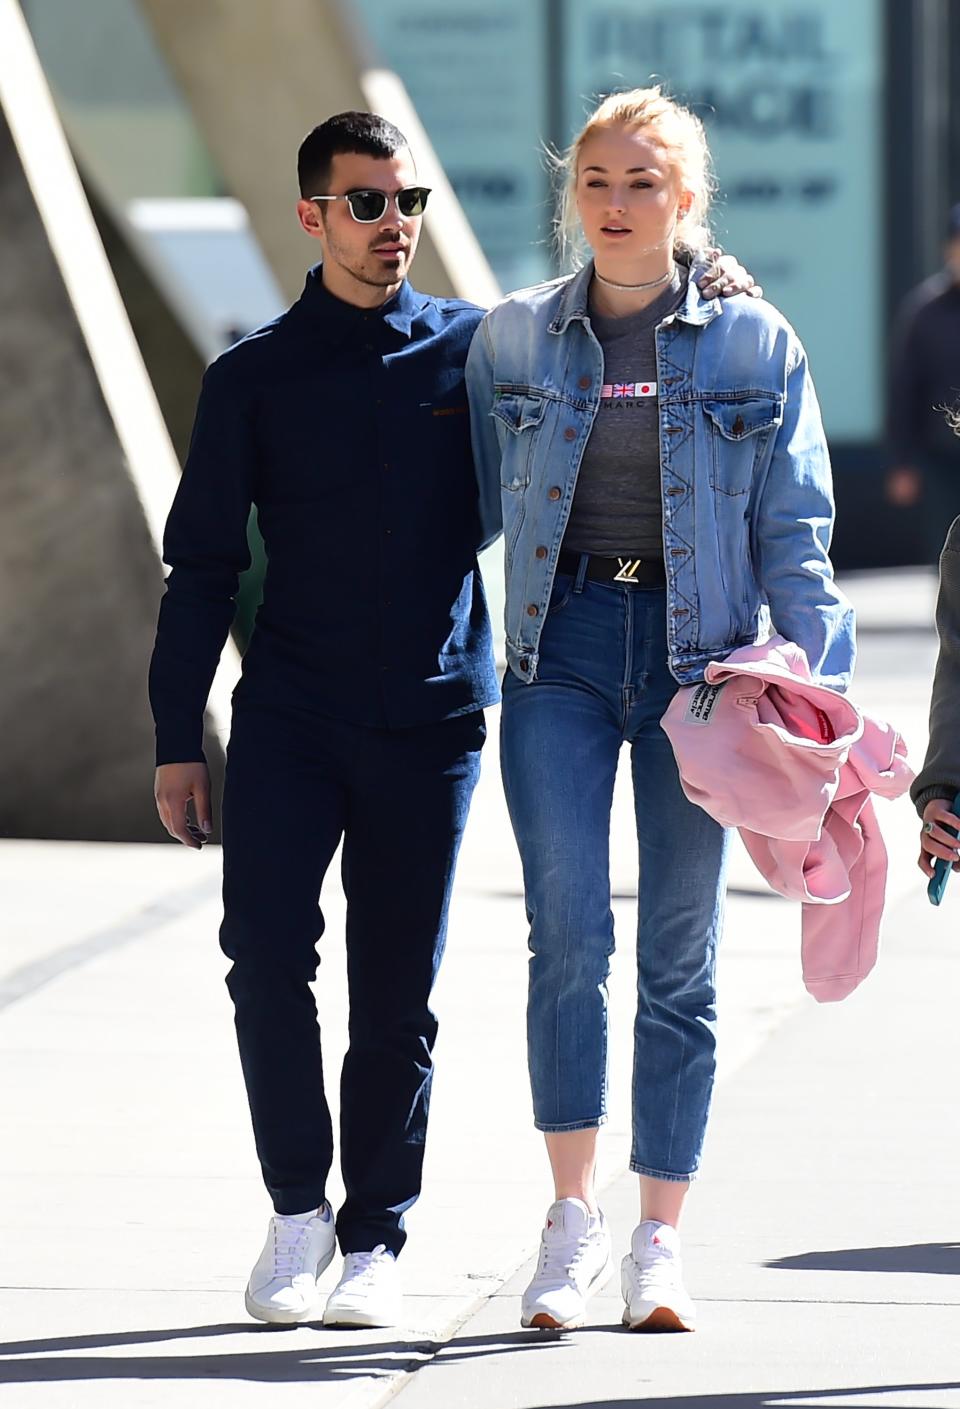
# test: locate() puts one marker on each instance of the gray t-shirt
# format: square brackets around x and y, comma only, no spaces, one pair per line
[617,507]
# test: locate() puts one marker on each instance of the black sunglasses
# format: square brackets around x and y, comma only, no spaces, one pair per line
[369,205]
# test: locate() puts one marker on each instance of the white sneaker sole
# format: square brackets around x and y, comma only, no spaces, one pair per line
[354,1318]
[543,1321]
[276,1317]
[658,1319]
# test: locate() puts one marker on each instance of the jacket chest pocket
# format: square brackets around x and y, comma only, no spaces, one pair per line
[521,414]
[739,429]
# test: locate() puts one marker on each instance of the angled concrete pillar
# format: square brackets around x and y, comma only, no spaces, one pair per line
[86,475]
[172,358]
[257,78]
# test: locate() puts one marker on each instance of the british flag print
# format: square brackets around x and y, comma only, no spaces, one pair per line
[630,391]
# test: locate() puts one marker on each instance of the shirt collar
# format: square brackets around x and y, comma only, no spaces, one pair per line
[342,318]
[574,301]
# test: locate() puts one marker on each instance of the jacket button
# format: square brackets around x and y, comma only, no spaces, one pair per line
[532,610]
[553,493]
[524,666]
[541,552]
[738,426]
[674,430]
[570,433]
[584,383]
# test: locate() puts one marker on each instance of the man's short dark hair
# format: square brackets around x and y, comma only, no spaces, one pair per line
[365,133]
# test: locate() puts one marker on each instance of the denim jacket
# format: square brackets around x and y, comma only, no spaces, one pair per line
[745,472]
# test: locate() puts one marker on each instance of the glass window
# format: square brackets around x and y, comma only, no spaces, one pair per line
[792,102]
[476,74]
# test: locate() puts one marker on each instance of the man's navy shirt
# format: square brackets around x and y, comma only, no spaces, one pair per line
[348,429]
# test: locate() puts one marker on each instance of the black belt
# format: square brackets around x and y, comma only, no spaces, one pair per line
[626,572]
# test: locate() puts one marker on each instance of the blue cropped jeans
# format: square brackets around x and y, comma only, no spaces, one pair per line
[602,681]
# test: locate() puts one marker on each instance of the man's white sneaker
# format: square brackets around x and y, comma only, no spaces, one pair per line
[574,1262]
[283,1284]
[368,1292]
[652,1281]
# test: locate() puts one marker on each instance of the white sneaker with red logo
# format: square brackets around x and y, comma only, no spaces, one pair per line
[651,1279]
[574,1262]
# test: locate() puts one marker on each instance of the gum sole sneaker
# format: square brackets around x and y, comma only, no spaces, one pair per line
[283,1284]
[368,1293]
[574,1262]
[651,1279]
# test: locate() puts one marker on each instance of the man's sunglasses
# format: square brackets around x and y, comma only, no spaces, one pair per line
[368,206]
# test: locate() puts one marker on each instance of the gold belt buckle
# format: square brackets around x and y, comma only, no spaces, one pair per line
[628,570]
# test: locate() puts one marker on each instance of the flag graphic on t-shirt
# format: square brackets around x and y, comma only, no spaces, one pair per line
[628,390]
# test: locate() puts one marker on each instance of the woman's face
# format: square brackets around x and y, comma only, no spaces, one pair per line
[628,193]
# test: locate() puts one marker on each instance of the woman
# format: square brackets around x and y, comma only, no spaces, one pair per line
[662,474]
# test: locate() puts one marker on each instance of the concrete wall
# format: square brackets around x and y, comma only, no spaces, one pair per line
[79,575]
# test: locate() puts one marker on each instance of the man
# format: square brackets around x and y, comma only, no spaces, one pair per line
[925,380]
[359,714]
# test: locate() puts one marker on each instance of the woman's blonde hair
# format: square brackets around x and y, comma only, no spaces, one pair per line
[682,135]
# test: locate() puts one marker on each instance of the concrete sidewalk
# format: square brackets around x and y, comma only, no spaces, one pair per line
[823,1246]
[132,1207]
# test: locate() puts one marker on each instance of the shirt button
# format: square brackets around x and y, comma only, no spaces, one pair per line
[584,383]
[541,552]
[532,610]
[570,433]
[524,666]
[554,493]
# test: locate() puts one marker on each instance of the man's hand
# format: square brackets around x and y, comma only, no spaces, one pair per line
[727,276]
[904,486]
[937,843]
[176,785]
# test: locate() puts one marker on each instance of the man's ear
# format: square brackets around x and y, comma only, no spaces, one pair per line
[310,218]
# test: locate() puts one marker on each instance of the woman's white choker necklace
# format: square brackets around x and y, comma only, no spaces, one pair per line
[631,288]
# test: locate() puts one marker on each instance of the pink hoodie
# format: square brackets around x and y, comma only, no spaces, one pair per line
[762,747]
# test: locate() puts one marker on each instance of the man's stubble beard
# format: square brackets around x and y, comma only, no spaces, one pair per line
[375,274]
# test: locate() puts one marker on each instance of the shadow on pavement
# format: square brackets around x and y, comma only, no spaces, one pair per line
[40,1361]
[861,1397]
[941,1258]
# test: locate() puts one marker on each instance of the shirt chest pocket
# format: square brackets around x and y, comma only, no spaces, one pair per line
[739,429]
[443,438]
[520,413]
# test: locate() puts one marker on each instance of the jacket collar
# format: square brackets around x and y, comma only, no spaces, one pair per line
[574,300]
[339,319]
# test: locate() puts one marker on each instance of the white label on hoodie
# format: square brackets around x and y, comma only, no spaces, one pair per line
[701,704]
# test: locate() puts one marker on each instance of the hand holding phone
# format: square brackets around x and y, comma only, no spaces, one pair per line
[943,866]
